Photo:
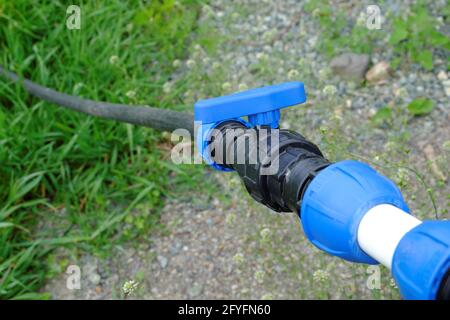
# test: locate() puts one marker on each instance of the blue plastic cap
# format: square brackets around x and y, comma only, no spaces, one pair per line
[421,259]
[265,100]
[337,199]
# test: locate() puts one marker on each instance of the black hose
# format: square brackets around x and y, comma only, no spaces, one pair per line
[160,119]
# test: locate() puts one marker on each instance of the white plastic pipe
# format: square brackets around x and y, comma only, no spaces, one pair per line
[381,229]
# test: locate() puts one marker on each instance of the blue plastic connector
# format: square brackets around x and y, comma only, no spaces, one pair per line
[261,106]
[337,199]
[421,259]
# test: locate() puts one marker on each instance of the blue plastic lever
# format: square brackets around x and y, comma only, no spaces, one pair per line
[261,105]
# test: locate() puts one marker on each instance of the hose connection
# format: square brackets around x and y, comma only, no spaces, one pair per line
[347,209]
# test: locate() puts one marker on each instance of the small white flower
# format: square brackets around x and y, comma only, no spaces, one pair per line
[190,64]
[265,234]
[77,87]
[113,59]
[321,275]
[131,94]
[292,74]
[129,287]
[323,73]
[261,55]
[215,65]
[316,12]
[361,21]
[230,218]
[267,296]
[197,47]
[242,87]
[268,35]
[259,275]
[390,145]
[301,63]
[446,145]
[238,258]
[226,86]
[393,284]
[176,63]
[167,87]
[329,90]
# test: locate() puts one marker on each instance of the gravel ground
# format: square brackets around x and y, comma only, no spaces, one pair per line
[239,249]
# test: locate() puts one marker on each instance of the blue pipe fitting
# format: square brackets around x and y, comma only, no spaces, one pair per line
[335,202]
[421,260]
[203,139]
[261,106]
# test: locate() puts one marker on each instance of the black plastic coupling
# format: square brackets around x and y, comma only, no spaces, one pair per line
[444,288]
[276,165]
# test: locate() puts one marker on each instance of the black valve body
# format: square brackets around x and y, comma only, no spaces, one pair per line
[251,152]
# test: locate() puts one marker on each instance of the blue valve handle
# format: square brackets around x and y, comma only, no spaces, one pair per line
[261,105]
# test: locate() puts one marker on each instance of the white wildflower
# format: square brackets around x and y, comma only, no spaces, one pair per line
[242,87]
[190,63]
[324,73]
[230,218]
[267,296]
[261,55]
[446,145]
[329,90]
[362,19]
[226,86]
[176,63]
[129,287]
[259,275]
[316,12]
[238,258]
[113,59]
[321,275]
[393,284]
[167,87]
[131,94]
[265,234]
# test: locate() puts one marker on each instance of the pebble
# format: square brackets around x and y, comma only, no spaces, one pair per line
[163,261]
[195,290]
[350,66]
[94,278]
[442,75]
[446,85]
[378,73]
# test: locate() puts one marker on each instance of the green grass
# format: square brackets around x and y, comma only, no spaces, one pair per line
[67,179]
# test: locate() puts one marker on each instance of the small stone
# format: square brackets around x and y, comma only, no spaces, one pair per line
[175,248]
[350,66]
[446,85]
[442,75]
[195,290]
[94,278]
[163,261]
[378,73]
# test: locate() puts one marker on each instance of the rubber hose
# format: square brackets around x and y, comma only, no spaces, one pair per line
[160,119]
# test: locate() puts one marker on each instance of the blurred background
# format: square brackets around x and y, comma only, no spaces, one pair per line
[104,198]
